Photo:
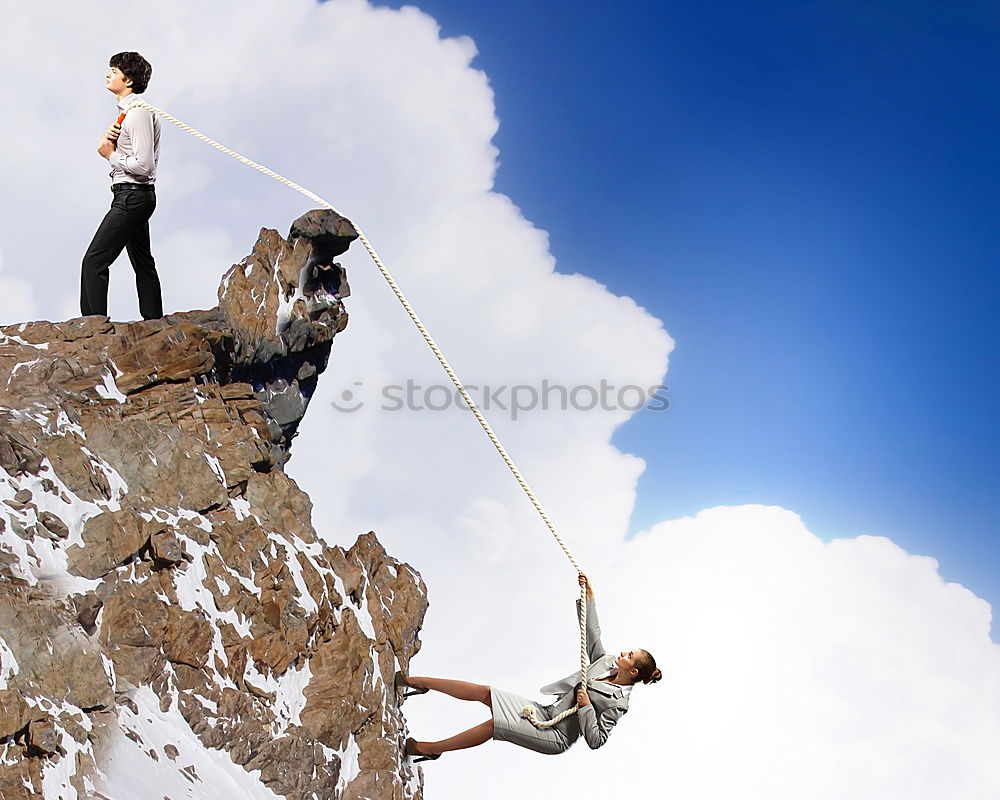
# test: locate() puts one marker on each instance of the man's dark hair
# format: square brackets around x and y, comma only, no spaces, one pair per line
[135,67]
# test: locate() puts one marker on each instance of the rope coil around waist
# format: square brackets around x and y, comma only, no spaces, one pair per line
[137,103]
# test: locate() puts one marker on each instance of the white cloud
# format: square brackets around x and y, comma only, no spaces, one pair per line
[17,298]
[812,669]
[795,668]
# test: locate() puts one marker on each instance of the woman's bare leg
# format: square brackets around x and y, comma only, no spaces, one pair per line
[460,741]
[459,689]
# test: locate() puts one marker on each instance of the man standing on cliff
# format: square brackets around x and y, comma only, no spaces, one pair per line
[133,177]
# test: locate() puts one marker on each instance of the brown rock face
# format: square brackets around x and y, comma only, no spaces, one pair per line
[152,548]
[108,540]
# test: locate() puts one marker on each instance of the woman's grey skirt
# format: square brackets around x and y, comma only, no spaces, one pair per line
[510,726]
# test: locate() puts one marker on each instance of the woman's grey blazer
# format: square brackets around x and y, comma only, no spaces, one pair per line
[608,701]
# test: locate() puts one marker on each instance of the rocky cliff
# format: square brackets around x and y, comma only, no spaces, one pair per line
[168,615]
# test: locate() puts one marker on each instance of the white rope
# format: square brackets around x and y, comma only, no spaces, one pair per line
[528,711]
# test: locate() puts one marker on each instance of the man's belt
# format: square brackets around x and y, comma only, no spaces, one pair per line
[120,187]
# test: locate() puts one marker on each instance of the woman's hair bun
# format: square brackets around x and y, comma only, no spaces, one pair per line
[646,667]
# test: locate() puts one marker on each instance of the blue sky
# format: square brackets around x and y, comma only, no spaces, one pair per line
[805,194]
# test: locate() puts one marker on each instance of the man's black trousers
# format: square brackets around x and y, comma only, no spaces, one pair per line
[126,226]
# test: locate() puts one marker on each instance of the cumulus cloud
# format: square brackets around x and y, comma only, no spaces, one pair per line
[794,668]
[17,297]
[801,668]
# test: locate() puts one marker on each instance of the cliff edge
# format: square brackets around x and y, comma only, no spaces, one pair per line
[168,614]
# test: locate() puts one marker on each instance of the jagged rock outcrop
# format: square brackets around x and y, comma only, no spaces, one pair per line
[163,594]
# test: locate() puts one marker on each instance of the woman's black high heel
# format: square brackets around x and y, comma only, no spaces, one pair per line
[410,748]
[404,689]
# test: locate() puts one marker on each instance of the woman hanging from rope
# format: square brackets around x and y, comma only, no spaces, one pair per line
[602,703]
